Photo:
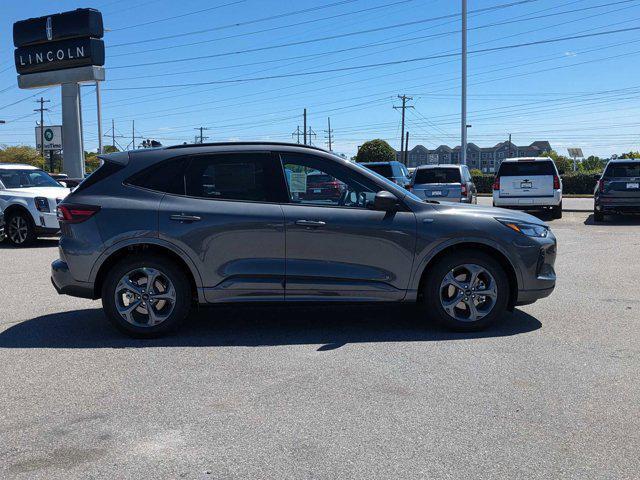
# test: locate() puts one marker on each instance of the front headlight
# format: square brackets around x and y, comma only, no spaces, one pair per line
[528,229]
[42,204]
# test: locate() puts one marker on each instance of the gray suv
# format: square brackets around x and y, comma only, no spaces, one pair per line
[154,231]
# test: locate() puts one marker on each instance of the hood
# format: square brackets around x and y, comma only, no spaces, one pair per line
[480,210]
[48,192]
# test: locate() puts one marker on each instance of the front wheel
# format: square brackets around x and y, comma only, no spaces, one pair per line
[466,290]
[147,296]
[20,230]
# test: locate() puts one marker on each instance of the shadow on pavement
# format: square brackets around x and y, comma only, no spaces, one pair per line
[616,220]
[39,243]
[241,326]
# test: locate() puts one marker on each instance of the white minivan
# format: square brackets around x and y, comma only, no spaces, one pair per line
[528,183]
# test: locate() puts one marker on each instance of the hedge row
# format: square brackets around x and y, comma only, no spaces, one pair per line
[573,183]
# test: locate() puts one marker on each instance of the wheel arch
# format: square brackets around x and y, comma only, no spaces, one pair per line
[474,245]
[160,249]
[18,207]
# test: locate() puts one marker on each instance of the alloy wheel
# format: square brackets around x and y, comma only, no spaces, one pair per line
[18,229]
[468,292]
[145,297]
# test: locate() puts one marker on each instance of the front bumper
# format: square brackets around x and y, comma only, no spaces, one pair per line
[65,284]
[537,256]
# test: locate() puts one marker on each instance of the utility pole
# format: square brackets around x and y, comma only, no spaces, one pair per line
[304,129]
[201,137]
[463,140]
[42,101]
[311,134]
[509,145]
[296,133]
[406,148]
[113,133]
[329,132]
[404,106]
[133,134]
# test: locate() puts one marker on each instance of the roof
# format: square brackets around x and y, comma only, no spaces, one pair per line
[624,160]
[442,165]
[529,159]
[225,144]
[13,166]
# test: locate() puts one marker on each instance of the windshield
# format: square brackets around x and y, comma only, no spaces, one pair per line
[26,178]
[437,175]
[384,169]
[627,169]
[386,182]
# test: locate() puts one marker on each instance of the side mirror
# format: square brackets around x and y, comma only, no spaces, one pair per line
[385,201]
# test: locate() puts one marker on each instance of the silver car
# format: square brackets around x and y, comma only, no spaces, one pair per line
[153,232]
[447,183]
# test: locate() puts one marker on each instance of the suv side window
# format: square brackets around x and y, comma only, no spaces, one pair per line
[313,181]
[166,176]
[254,177]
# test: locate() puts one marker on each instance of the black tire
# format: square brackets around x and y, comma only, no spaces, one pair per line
[598,216]
[17,220]
[432,293]
[168,269]
[557,211]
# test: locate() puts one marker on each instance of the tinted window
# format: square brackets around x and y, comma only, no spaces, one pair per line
[384,170]
[437,175]
[167,176]
[26,178]
[253,177]
[627,169]
[517,169]
[105,170]
[340,186]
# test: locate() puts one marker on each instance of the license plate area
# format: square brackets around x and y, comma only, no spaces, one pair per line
[317,190]
[526,185]
[436,193]
[633,185]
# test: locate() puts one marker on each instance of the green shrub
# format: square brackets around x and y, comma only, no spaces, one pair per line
[483,182]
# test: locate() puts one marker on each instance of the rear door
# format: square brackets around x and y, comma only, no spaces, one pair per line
[224,213]
[622,180]
[526,178]
[442,183]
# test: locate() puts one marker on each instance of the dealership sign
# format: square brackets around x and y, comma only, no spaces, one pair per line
[57,42]
[52,137]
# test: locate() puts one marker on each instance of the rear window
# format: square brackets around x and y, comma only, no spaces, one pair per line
[437,175]
[104,171]
[629,169]
[319,178]
[517,169]
[384,170]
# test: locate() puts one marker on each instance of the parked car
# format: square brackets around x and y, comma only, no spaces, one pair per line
[618,190]
[449,183]
[395,171]
[528,183]
[151,232]
[321,186]
[28,200]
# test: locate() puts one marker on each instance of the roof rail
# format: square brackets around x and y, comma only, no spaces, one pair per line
[222,144]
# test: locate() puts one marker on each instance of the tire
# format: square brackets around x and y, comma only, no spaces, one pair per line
[598,216]
[491,309]
[557,211]
[167,313]
[20,229]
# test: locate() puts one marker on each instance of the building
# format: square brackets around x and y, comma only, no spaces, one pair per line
[487,159]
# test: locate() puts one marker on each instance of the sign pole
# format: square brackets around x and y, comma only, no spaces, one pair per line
[71,135]
[99,109]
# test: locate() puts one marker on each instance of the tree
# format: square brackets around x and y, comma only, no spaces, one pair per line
[564,164]
[21,154]
[475,172]
[630,155]
[592,163]
[375,151]
[110,149]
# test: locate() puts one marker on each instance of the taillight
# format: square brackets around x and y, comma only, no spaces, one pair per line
[496,183]
[556,182]
[464,190]
[76,213]
[601,186]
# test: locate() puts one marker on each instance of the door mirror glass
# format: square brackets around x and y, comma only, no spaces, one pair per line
[385,201]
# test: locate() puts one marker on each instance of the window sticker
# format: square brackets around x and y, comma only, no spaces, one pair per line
[298,182]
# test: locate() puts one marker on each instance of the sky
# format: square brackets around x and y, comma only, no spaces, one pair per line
[246,69]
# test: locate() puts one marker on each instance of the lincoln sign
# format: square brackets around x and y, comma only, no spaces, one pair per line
[60,41]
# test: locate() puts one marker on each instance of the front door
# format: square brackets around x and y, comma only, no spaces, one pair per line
[337,246]
[230,222]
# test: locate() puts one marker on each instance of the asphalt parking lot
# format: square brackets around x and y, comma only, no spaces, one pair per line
[331,392]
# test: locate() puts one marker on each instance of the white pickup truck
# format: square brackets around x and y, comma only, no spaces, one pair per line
[28,201]
[528,183]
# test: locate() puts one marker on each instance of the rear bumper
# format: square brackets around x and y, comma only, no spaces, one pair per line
[617,205]
[65,284]
[527,202]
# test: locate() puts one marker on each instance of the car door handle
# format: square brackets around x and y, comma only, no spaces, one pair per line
[185,218]
[310,223]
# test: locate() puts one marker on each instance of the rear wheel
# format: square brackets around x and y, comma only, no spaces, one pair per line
[146,297]
[20,230]
[557,211]
[466,290]
[598,216]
